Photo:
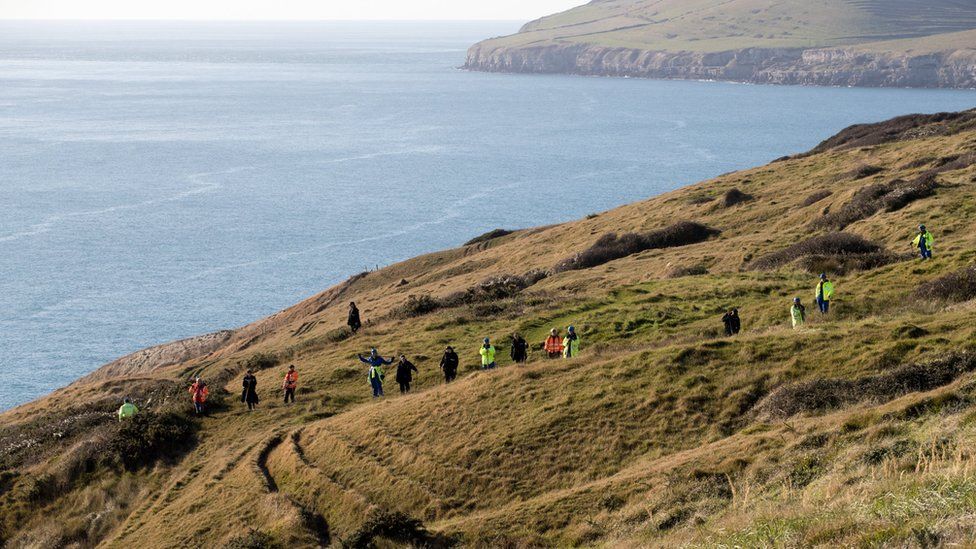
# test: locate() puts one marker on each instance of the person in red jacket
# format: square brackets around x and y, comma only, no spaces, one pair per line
[554,344]
[199,392]
[290,383]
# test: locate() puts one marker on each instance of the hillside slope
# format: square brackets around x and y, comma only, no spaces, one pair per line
[899,43]
[857,429]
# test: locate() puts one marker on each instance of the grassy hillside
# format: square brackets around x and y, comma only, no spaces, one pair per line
[715,26]
[857,429]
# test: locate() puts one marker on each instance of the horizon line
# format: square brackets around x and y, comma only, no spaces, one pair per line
[242,20]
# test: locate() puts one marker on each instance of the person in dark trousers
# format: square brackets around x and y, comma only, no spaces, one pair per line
[732,322]
[404,374]
[553,345]
[824,293]
[924,241]
[290,383]
[520,349]
[449,364]
[375,374]
[353,320]
[249,391]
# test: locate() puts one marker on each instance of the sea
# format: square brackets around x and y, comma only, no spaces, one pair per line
[160,180]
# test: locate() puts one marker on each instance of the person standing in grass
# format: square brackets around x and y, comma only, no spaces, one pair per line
[449,364]
[571,343]
[732,322]
[404,374]
[923,241]
[825,292]
[249,390]
[128,409]
[487,352]
[290,383]
[798,313]
[199,392]
[375,374]
[520,349]
[554,344]
[353,320]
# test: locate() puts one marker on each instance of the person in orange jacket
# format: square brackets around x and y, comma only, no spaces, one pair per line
[290,383]
[199,392]
[554,344]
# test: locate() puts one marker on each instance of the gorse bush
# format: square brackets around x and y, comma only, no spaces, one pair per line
[253,539]
[416,306]
[261,361]
[866,171]
[889,197]
[902,127]
[816,197]
[953,287]
[847,251]
[610,246]
[734,197]
[395,527]
[491,289]
[148,437]
[687,270]
[820,395]
[490,235]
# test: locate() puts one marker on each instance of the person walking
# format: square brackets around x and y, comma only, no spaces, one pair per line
[449,364]
[127,410]
[375,373]
[290,383]
[825,292]
[571,343]
[732,322]
[520,349]
[249,390]
[404,374]
[553,345]
[924,241]
[199,393]
[487,352]
[798,313]
[353,320]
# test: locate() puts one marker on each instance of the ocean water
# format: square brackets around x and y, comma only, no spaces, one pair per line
[159,181]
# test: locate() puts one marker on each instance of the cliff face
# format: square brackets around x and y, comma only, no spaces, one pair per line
[822,66]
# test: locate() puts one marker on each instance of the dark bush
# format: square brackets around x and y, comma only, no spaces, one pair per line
[820,395]
[687,270]
[260,361]
[735,197]
[610,247]
[395,527]
[699,199]
[816,197]
[253,539]
[490,235]
[952,288]
[148,437]
[843,264]
[494,288]
[889,197]
[416,306]
[832,245]
[865,170]
[902,127]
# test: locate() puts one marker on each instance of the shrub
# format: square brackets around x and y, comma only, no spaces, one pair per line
[865,171]
[952,288]
[610,246]
[260,361]
[734,197]
[820,395]
[396,527]
[902,127]
[148,437]
[253,539]
[698,199]
[889,197]
[416,306]
[816,197]
[838,246]
[490,235]
[688,270]
[491,289]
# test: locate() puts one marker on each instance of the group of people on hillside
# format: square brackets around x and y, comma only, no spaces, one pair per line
[554,347]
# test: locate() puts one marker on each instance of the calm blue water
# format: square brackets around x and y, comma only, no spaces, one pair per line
[159,181]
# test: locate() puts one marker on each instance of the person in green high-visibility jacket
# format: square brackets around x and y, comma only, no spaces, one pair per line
[825,291]
[571,343]
[798,313]
[923,241]
[127,410]
[487,352]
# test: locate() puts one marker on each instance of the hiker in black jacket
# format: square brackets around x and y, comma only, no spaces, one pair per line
[249,391]
[404,375]
[520,349]
[449,364]
[732,322]
[353,319]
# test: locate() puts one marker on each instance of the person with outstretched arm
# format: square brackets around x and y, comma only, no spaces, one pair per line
[353,320]
[404,374]
[487,353]
[290,383]
[375,373]
[824,293]
[520,349]
[571,343]
[449,364]
[924,241]
[127,410]
[798,313]
[249,390]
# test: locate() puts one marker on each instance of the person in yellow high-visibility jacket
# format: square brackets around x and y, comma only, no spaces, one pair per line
[487,352]
[825,292]
[924,241]
[127,410]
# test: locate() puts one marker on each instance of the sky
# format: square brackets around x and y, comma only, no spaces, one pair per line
[283,9]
